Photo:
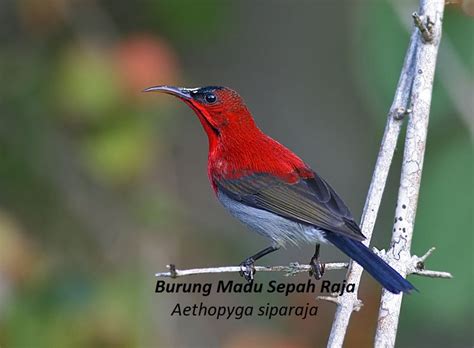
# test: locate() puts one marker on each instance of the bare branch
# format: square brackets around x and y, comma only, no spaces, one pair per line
[434,274]
[399,256]
[335,298]
[332,299]
[291,269]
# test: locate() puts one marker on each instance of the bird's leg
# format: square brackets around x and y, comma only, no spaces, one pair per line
[247,269]
[317,267]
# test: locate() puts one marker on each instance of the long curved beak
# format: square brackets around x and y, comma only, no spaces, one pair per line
[180,92]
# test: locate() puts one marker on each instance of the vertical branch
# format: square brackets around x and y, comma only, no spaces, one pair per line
[399,255]
[416,84]
[349,302]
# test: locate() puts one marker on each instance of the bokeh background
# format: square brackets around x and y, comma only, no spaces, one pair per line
[101,185]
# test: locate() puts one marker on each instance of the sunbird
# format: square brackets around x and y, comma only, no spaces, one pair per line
[271,190]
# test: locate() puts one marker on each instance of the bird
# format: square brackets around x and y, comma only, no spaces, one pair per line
[271,190]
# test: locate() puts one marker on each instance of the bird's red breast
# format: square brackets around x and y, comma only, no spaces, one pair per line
[238,148]
[245,150]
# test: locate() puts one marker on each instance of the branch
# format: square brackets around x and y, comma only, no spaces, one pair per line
[399,256]
[453,73]
[290,270]
[349,302]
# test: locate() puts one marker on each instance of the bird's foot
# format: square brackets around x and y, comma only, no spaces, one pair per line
[247,269]
[317,267]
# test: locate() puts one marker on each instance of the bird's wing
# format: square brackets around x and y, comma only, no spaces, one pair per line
[310,201]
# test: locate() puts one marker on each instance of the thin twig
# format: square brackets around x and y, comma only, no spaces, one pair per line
[291,269]
[433,274]
[399,255]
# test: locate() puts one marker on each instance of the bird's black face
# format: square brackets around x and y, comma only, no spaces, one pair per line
[206,95]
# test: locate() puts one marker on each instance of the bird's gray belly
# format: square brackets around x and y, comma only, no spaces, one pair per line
[273,226]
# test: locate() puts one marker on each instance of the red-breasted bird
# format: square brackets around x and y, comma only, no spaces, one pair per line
[271,190]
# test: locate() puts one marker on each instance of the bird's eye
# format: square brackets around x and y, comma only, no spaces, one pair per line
[210,98]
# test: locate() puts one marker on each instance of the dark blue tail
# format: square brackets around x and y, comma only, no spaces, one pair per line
[377,268]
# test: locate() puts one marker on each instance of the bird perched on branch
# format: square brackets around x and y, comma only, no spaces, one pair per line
[271,190]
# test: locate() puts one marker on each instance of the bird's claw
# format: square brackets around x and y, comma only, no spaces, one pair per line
[317,268]
[247,270]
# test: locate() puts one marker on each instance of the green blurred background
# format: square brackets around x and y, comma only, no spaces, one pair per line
[101,185]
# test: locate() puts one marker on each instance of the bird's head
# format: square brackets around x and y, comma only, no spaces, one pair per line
[220,109]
